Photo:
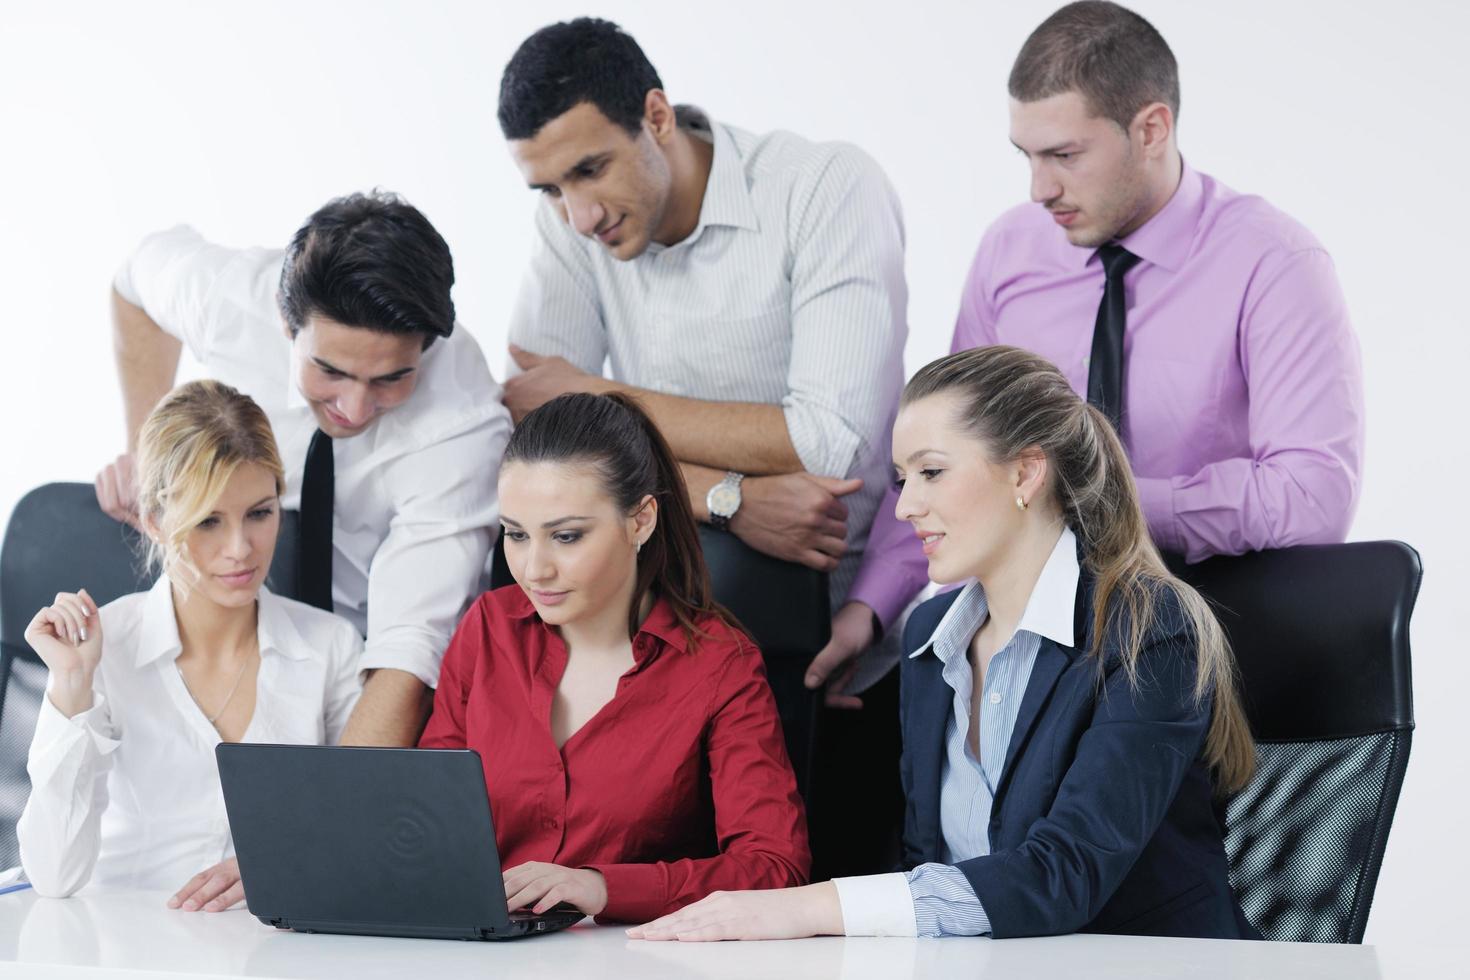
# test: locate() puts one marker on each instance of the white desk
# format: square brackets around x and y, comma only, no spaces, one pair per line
[132,936]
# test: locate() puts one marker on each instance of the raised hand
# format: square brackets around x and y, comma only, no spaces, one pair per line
[117,493]
[67,636]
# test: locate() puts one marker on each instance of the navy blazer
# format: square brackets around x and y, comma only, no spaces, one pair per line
[1104,817]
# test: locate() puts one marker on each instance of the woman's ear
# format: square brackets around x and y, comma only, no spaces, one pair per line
[1032,468]
[645,518]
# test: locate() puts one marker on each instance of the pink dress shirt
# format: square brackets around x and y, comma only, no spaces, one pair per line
[1243,388]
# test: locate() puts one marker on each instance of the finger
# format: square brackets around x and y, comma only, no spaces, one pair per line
[529,892]
[226,899]
[839,488]
[829,659]
[815,559]
[90,603]
[714,932]
[104,491]
[837,511]
[552,896]
[77,610]
[836,547]
[189,888]
[213,886]
[67,619]
[524,359]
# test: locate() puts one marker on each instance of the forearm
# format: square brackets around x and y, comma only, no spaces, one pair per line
[741,436]
[391,712]
[147,361]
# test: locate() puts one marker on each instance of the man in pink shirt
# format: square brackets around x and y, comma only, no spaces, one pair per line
[1232,365]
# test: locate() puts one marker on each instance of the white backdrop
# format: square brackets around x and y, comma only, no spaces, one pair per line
[119,118]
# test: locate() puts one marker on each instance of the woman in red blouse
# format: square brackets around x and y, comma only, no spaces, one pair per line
[631,747]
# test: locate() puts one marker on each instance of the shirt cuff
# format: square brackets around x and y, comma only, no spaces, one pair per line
[415,660]
[54,728]
[885,591]
[635,892]
[876,905]
[1156,497]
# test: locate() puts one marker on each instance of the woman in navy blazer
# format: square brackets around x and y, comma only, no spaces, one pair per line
[1070,720]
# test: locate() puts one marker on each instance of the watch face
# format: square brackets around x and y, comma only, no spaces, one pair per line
[724,500]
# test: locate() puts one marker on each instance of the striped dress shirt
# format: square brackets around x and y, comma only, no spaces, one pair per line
[790,291]
[936,899]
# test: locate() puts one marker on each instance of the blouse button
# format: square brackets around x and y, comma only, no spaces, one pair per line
[995,697]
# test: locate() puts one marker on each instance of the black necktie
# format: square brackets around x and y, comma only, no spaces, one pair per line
[314,557]
[1105,371]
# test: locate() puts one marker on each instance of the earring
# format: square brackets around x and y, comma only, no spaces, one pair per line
[637,547]
[1021,503]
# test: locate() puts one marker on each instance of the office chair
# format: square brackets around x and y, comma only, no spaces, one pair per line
[1321,634]
[783,606]
[58,540]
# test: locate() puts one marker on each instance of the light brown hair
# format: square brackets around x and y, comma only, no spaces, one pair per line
[1016,402]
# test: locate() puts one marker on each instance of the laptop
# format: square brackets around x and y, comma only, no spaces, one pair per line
[370,841]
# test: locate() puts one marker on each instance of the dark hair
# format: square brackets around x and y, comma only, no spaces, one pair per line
[618,439]
[1108,54]
[565,64]
[1014,402]
[373,261]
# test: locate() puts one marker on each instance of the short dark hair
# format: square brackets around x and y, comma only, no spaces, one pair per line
[373,261]
[568,63]
[1111,56]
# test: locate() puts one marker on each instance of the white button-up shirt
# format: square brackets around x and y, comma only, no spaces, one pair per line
[936,899]
[790,291]
[415,494]
[126,794]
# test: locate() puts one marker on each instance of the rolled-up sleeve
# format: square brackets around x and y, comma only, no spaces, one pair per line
[60,831]
[848,315]
[428,567]
[172,276]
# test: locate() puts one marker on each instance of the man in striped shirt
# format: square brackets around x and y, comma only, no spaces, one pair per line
[747,288]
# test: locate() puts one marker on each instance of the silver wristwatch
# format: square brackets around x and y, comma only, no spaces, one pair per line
[723,500]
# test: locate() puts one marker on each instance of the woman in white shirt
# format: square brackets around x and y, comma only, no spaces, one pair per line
[125,792]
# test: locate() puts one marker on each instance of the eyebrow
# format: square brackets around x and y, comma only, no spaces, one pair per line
[263,500]
[920,452]
[1070,146]
[402,372]
[586,163]
[548,524]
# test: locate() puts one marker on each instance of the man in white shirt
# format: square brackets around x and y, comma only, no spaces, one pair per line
[747,289]
[347,340]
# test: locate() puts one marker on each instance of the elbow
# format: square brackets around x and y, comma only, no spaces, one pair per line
[825,444]
[1319,513]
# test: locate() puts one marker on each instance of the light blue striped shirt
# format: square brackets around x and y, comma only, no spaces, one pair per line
[938,899]
[944,903]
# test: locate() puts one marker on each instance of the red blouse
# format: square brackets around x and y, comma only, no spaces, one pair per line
[677,787]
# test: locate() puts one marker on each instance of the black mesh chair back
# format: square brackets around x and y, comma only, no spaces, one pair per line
[1321,634]
[783,606]
[58,540]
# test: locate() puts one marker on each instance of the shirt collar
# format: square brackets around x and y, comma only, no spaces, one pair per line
[158,636]
[1165,239]
[727,191]
[660,624]
[1050,612]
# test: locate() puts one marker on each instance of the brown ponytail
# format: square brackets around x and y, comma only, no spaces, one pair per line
[1016,401]
[614,435]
